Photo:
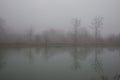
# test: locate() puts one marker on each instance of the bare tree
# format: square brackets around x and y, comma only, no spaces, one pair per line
[97,24]
[76,24]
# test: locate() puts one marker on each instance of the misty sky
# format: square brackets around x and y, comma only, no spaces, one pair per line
[44,14]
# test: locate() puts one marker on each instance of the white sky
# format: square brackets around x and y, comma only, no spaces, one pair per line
[42,14]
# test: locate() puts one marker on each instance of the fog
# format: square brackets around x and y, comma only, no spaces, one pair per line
[45,14]
[59,40]
[63,22]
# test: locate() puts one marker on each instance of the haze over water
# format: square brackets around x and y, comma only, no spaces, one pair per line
[59,63]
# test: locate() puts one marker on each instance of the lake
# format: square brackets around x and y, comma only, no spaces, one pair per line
[60,63]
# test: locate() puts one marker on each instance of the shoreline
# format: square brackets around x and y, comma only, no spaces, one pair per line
[7,45]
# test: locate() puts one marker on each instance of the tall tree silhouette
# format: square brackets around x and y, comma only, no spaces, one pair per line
[76,24]
[97,24]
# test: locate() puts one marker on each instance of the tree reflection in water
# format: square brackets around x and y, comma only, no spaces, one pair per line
[98,66]
[119,51]
[116,77]
[30,54]
[78,55]
[2,62]
[45,54]
[76,63]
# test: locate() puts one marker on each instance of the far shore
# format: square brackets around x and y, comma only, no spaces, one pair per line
[7,45]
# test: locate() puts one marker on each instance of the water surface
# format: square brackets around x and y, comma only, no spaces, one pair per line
[59,63]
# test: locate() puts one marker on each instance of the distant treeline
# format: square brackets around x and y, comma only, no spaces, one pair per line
[79,36]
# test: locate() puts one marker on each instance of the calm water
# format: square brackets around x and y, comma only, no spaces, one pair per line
[59,63]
